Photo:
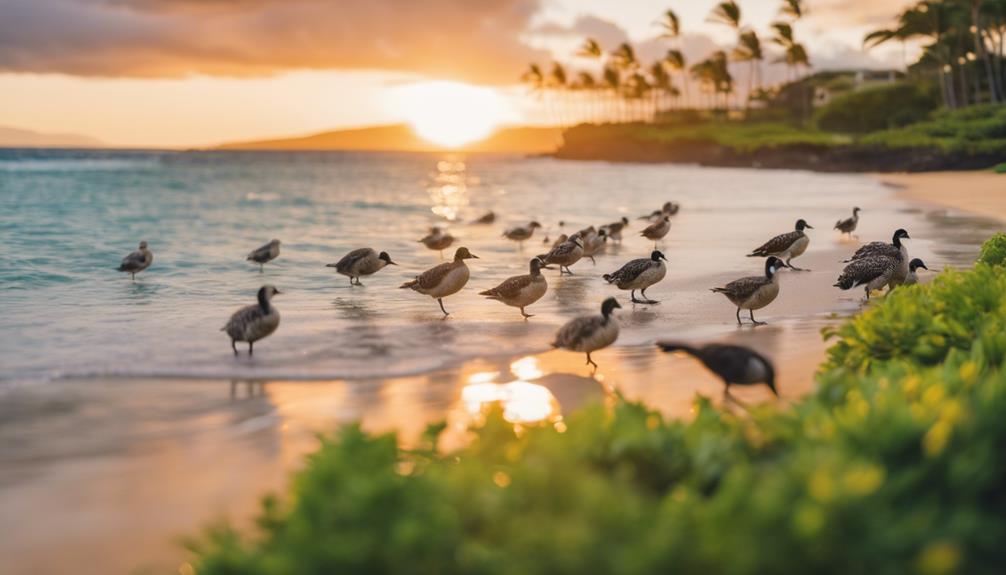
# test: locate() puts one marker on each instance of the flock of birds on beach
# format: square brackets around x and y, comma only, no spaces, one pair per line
[873,266]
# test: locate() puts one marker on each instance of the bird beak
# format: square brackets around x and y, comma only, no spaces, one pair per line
[276,292]
[474,256]
[924,267]
[810,226]
[392,263]
[618,305]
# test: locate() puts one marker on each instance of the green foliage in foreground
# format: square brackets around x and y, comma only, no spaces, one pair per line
[994,251]
[975,130]
[895,465]
[878,108]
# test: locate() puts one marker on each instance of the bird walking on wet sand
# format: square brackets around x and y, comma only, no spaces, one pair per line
[754,292]
[589,333]
[254,322]
[521,291]
[443,280]
[786,246]
[848,225]
[137,261]
[896,250]
[361,262]
[437,240]
[564,254]
[264,254]
[520,234]
[614,229]
[639,274]
[872,272]
[733,364]
[656,231]
[913,267]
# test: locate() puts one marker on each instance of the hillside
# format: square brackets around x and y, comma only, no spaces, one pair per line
[19,138]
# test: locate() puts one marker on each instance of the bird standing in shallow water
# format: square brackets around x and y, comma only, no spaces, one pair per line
[594,245]
[734,364]
[848,225]
[786,246]
[361,262]
[521,233]
[754,292]
[590,333]
[264,254]
[254,322]
[873,272]
[657,231]
[437,240]
[137,261]
[565,254]
[521,291]
[443,280]
[639,275]
[614,229]
[895,250]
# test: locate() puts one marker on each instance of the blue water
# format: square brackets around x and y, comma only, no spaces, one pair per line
[67,218]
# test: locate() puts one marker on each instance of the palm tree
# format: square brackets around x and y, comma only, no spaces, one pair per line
[714,76]
[613,82]
[675,60]
[624,57]
[585,82]
[977,30]
[784,38]
[793,8]
[670,25]
[558,83]
[728,13]
[590,49]
[660,80]
[749,50]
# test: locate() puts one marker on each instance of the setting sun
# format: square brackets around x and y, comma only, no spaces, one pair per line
[450,114]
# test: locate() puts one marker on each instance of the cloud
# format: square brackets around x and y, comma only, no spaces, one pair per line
[862,13]
[475,41]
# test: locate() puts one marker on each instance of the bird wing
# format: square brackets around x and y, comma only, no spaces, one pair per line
[241,319]
[510,286]
[352,258]
[652,228]
[876,249]
[576,330]
[864,270]
[560,251]
[631,270]
[259,253]
[745,287]
[133,261]
[433,276]
[777,244]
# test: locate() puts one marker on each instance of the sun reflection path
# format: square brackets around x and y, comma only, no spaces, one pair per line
[523,402]
[449,190]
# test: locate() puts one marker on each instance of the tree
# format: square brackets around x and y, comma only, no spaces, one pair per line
[675,60]
[749,50]
[793,8]
[728,13]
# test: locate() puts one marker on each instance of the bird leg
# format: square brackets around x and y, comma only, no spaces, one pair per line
[234,347]
[251,348]
[647,300]
[261,268]
[753,320]
[632,296]
[526,315]
[794,268]
[739,322]
[132,276]
[441,302]
[591,361]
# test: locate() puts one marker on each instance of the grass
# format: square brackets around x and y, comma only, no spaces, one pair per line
[895,465]
[978,129]
[739,136]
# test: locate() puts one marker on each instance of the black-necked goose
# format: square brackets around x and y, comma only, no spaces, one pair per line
[361,262]
[872,272]
[786,246]
[639,274]
[590,333]
[896,250]
[913,266]
[521,291]
[443,280]
[264,254]
[754,292]
[848,225]
[735,365]
[137,261]
[254,322]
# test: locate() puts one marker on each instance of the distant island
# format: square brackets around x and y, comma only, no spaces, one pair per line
[401,138]
[20,138]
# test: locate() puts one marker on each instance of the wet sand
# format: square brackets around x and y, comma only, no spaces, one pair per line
[980,193]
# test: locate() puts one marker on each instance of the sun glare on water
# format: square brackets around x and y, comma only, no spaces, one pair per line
[450,114]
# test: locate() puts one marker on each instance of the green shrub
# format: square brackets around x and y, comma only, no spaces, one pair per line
[878,108]
[994,250]
[894,465]
[976,129]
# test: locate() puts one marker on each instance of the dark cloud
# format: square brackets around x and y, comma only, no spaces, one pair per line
[473,40]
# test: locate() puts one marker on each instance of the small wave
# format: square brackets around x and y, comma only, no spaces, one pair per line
[76,165]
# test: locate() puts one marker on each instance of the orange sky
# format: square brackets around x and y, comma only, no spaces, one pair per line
[179,73]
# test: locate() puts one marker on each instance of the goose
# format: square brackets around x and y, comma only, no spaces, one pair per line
[754,292]
[520,291]
[896,249]
[873,272]
[137,261]
[564,254]
[437,240]
[264,254]
[668,209]
[657,231]
[443,280]
[589,333]
[913,267]
[786,246]
[521,233]
[734,364]
[848,225]
[638,275]
[594,245]
[486,218]
[254,322]
[361,262]
[614,229]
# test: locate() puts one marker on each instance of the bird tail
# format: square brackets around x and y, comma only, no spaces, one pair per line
[757,254]
[718,290]
[488,293]
[608,278]
[409,285]
[121,268]
[844,282]
[672,346]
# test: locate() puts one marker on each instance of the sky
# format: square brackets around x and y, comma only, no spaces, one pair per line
[191,73]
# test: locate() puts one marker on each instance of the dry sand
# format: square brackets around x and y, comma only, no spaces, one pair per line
[980,193]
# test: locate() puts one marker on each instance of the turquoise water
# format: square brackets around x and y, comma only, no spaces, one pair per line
[67,218]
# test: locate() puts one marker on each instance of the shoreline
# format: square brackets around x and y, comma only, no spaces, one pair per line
[980,193]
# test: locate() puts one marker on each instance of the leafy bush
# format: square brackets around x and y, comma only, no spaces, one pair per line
[976,129]
[879,108]
[895,465]
[994,251]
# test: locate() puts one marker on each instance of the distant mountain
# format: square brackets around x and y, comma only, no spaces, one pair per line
[18,138]
[401,138]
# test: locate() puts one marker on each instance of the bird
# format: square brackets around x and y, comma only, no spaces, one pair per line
[254,322]
[896,249]
[137,261]
[668,209]
[848,225]
[563,238]
[486,218]
[639,274]
[594,245]
[734,364]
[657,231]
[589,333]
[361,262]
[520,291]
[913,266]
[264,254]
[754,292]
[614,229]
[786,246]
[437,240]
[873,272]
[521,233]
[564,254]
[443,280]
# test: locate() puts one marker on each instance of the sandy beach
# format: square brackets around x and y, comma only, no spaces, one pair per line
[981,193]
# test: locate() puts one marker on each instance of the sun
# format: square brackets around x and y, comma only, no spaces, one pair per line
[450,114]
